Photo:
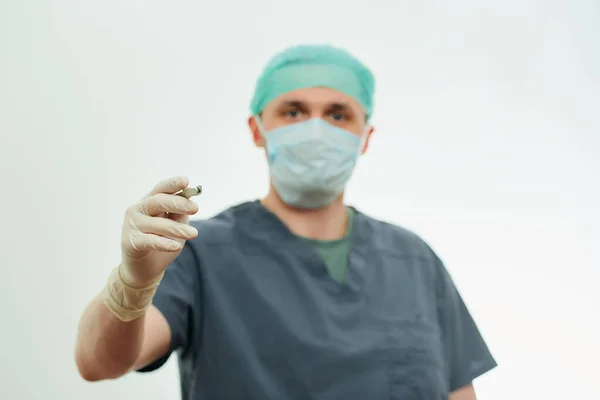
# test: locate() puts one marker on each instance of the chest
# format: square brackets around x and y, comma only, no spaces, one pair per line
[277,324]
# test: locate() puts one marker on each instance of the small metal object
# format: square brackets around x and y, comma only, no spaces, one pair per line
[190,192]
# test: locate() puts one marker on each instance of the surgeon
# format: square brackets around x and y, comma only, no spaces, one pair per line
[296,295]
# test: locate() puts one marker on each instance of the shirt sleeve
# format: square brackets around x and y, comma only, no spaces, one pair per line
[467,355]
[178,300]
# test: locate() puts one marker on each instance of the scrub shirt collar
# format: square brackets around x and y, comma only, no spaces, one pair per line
[265,225]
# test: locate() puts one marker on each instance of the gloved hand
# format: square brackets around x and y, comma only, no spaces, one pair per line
[154,232]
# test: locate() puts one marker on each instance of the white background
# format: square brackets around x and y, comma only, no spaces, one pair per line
[487,145]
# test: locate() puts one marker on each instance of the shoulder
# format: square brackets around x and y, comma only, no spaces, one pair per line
[221,228]
[400,243]
[403,243]
[396,239]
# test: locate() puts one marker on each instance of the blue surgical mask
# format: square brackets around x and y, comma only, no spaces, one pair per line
[311,161]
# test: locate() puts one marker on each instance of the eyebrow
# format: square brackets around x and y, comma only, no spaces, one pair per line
[303,105]
[293,104]
[339,107]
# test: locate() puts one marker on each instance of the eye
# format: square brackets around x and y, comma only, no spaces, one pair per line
[293,113]
[337,116]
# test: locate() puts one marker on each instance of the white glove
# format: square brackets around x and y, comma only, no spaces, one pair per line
[154,232]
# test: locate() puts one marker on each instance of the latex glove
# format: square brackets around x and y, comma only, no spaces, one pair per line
[154,232]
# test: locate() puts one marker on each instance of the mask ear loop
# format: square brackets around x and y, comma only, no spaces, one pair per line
[364,136]
[263,134]
[260,127]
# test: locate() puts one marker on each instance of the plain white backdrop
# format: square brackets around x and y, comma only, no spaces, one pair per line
[487,144]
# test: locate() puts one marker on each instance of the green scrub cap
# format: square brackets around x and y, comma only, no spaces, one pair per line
[302,67]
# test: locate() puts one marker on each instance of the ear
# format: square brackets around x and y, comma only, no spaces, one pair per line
[366,145]
[256,135]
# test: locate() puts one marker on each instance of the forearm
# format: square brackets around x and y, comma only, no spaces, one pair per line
[106,347]
[464,393]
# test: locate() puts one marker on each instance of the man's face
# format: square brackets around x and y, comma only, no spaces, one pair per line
[300,105]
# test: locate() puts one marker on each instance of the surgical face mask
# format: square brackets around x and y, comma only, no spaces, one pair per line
[311,161]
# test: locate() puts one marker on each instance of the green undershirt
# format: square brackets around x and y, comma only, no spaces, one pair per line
[335,253]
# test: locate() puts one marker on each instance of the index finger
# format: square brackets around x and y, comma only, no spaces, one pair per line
[171,185]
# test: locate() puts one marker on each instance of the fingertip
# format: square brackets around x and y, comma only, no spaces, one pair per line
[175,245]
[183,218]
[180,182]
[171,185]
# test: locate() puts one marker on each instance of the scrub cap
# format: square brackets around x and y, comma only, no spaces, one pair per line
[306,66]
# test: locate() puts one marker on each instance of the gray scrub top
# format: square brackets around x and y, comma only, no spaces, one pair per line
[254,314]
